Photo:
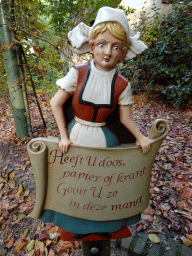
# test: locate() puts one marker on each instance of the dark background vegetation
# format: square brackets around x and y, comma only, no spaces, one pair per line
[166,65]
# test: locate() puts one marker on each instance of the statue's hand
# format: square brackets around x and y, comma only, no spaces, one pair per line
[145,144]
[64,145]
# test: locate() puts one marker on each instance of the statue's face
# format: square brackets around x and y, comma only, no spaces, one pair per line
[107,51]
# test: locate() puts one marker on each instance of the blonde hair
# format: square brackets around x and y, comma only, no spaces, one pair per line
[115,29]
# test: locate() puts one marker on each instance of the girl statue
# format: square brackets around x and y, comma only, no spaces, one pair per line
[97,88]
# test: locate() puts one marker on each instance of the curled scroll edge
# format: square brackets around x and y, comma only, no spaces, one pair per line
[37,151]
[159,129]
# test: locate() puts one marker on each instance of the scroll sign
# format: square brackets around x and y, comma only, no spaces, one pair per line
[98,184]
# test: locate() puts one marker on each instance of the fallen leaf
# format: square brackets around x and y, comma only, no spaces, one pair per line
[31,253]
[48,242]
[3,226]
[189,236]
[37,252]
[22,216]
[63,253]
[186,136]
[2,220]
[5,205]
[165,214]
[149,211]
[154,238]
[186,193]
[187,241]
[147,217]
[19,191]
[40,246]
[26,232]
[10,243]
[30,245]
[11,207]
[21,245]
[69,245]
[53,229]
[155,230]
[26,193]
[190,226]
[52,235]
[187,215]
[165,207]
[51,253]
[43,236]
[12,175]
[156,189]
[76,245]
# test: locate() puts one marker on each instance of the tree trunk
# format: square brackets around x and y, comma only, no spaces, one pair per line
[13,74]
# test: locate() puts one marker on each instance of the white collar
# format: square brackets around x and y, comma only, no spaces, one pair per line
[101,72]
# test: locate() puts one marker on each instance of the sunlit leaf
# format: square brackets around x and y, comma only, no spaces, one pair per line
[5,47]
[68,245]
[189,236]
[52,235]
[53,229]
[30,245]
[21,216]
[154,238]
[21,245]
[48,242]
[187,241]
[40,246]
[19,191]
[26,232]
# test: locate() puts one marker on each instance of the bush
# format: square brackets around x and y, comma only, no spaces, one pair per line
[166,65]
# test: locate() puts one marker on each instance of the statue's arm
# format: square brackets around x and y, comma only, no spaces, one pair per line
[127,121]
[57,103]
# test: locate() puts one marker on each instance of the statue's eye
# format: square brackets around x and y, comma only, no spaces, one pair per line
[101,45]
[116,48]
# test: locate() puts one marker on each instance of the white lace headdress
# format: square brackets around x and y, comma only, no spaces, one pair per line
[81,34]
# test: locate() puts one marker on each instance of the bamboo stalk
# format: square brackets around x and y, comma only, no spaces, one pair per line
[11,67]
[22,78]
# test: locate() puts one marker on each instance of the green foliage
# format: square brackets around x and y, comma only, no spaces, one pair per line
[148,24]
[38,38]
[3,76]
[42,25]
[166,65]
[64,15]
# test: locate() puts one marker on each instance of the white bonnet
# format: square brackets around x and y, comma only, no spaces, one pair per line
[81,34]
